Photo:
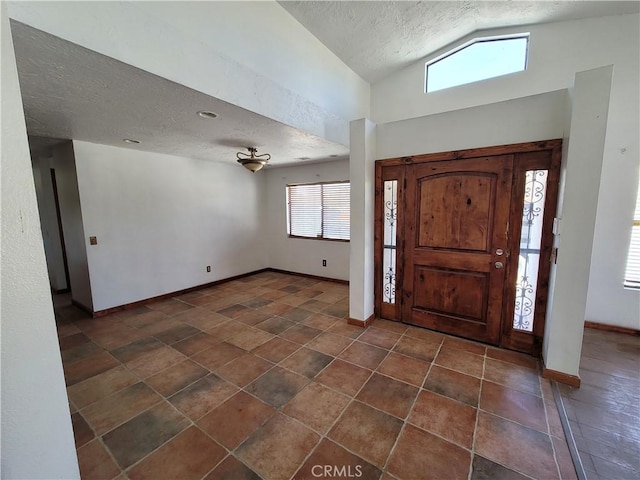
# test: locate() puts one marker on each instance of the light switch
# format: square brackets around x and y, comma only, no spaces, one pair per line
[93,240]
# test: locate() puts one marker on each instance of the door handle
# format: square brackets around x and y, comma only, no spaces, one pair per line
[498,265]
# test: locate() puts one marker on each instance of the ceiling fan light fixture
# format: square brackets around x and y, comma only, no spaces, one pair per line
[252,161]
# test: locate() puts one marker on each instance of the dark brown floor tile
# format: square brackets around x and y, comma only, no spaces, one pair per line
[250,339]
[100,386]
[130,352]
[170,306]
[407,369]
[237,418]
[190,455]
[276,349]
[425,334]
[195,344]
[88,367]
[420,349]
[280,438]
[228,330]
[82,432]
[337,310]
[315,306]
[524,408]
[346,330]
[202,396]
[202,319]
[106,414]
[464,345]
[512,376]
[438,459]
[300,334]
[448,418]
[329,343]
[232,469]
[388,395]
[277,386]
[275,325]
[461,361]
[320,321]
[330,460]
[257,302]
[344,377]
[95,462]
[244,370]
[218,355]
[155,361]
[175,378]
[395,327]
[233,311]
[516,358]
[317,406]
[306,362]
[144,433]
[458,386]
[364,355]
[367,432]
[296,314]
[276,308]
[253,317]
[290,289]
[520,448]
[73,340]
[379,337]
[483,469]
[177,333]
[80,352]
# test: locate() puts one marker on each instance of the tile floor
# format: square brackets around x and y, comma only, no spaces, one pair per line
[604,413]
[263,378]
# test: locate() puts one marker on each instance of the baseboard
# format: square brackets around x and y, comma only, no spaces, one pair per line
[315,277]
[82,307]
[139,303]
[361,323]
[611,328]
[560,377]
[59,291]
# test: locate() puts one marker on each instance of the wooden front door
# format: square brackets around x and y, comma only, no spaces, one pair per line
[457,215]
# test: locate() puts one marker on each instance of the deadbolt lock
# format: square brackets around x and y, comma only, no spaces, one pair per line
[499,252]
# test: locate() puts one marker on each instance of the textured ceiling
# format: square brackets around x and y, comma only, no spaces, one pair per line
[70,92]
[376,38]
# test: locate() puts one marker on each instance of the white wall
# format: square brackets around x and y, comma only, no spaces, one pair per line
[73,231]
[580,179]
[251,54]
[42,164]
[160,220]
[36,439]
[295,254]
[557,52]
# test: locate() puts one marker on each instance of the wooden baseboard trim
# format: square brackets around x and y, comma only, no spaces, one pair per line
[611,328]
[139,303]
[315,277]
[560,377]
[82,307]
[361,323]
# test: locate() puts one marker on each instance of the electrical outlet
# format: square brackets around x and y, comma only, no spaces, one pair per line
[324,263]
[208,268]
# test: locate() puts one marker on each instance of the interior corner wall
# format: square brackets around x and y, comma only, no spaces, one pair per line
[36,435]
[71,216]
[42,163]
[160,220]
[296,254]
[582,167]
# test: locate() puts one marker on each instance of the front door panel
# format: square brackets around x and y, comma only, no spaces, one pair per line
[457,214]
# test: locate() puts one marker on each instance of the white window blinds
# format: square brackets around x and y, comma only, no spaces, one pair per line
[319,210]
[632,272]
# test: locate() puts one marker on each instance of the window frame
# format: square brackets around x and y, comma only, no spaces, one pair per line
[473,41]
[322,206]
[631,279]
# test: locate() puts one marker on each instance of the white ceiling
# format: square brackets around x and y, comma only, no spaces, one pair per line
[70,92]
[376,38]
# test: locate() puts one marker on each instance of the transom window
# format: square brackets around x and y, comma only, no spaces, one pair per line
[319,210]
[479,60]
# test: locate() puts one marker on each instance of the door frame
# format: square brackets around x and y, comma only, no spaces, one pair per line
[396,169]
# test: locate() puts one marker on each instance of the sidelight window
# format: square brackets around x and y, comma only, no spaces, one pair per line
[390,220]
[632,270]
[530,243]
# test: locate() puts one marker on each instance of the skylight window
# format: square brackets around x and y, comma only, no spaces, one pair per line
[479,60]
